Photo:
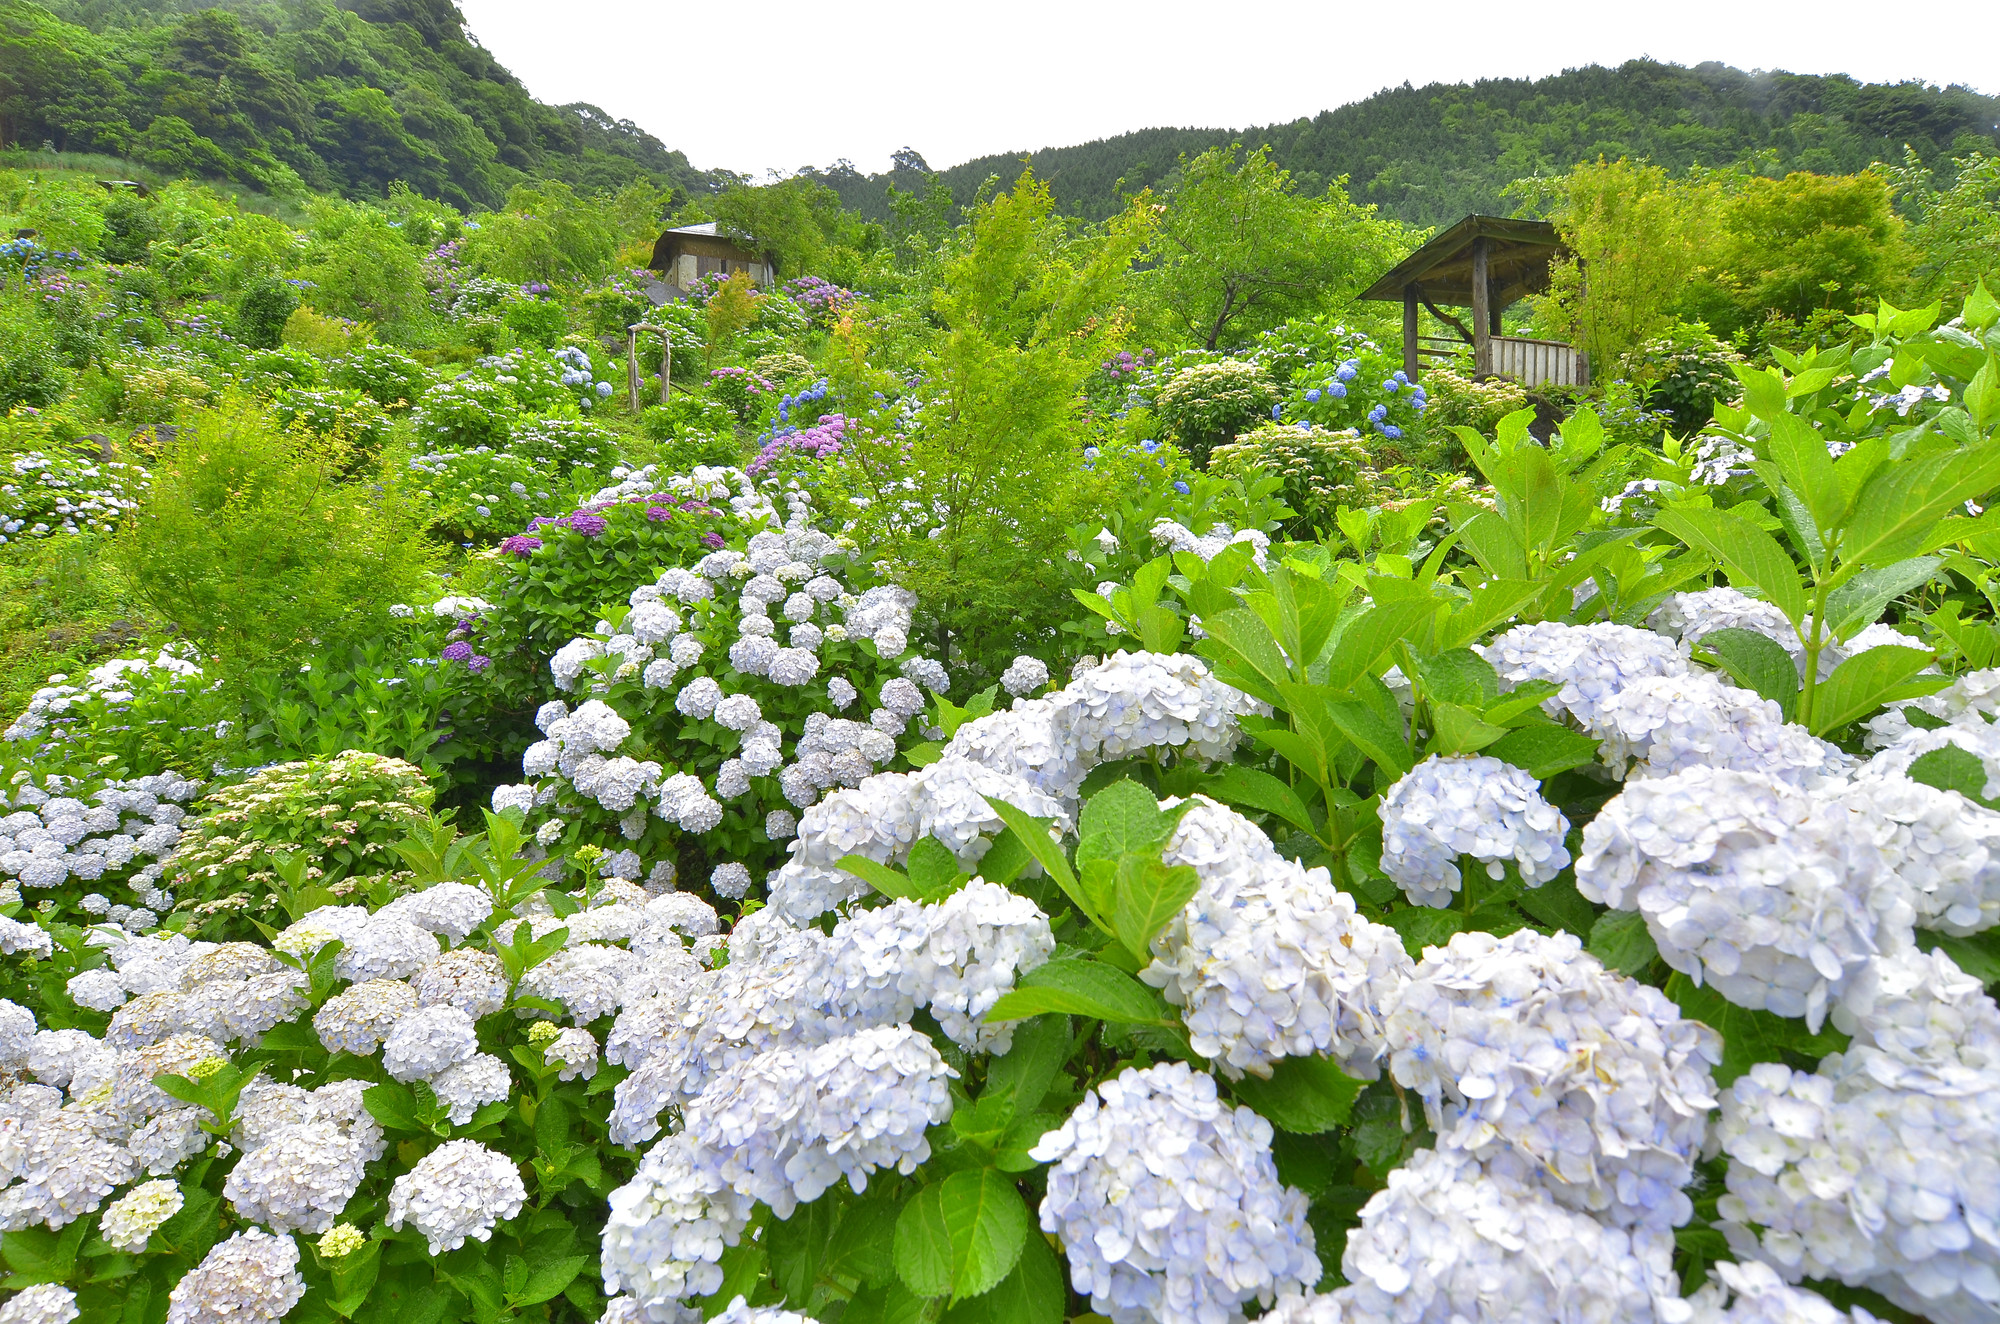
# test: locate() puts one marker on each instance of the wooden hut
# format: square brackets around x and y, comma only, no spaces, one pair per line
[1483,264]
[689,252]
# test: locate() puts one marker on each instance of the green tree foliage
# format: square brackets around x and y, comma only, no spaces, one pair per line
[545,233]
[261,316]
[1429,155]
[252,544]
[1956,234]
[799,224]
[1026,304]
[366,271]
[347,99]
[1240,249]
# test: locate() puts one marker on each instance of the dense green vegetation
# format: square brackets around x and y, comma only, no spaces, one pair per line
[1428,155]
[284,94]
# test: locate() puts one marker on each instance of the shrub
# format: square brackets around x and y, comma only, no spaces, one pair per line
[465,415]
[535,321]
[347,416]
[116,833]
[343,814]
[388,376]
[1209,403]
[250,544]
[784,369]
[1321,470]
[743,392]
[321,335]
[1687,372]
[262,312]
[66,491]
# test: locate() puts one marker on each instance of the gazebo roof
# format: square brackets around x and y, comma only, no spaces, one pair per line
[1518,254]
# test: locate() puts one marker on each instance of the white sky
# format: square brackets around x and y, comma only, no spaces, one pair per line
[780,84]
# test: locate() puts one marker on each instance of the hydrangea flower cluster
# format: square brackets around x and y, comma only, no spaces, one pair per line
[1269,960]
[66,493]
[62,713]
[779,1127]
[49,837]
[1475,805]
[1168,1203]
[1034,755]
[1526,1047]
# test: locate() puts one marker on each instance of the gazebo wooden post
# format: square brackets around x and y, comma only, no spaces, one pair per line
[1411,298]
[632,367]
[1482,296]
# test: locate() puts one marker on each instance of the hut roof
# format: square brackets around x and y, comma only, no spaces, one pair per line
[1518,253]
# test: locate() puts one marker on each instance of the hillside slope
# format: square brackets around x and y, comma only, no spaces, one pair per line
[345,97]
[1429,155]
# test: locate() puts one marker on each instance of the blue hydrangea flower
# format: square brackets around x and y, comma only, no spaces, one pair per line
[1278,410]
[1180,487]
[1391,385]
[1312,396]
[1378,413]
[1338,390]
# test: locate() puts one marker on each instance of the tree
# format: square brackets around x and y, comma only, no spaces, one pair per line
[1811,243]
[970,503]
[1637,239]
[547,233]
[1239,250]
[1956,236]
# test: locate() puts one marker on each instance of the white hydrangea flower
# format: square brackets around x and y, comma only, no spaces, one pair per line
[1944,848]
[44,1303]
[1138,701]
[794,666]
[467,1085]
[473,981]
[1023,741]
[253,1277]
[840,692]
[449,908]
[426,1041]
[1528,1045]
[1453,805]
[1752,1293]
[698,697]
[952,804]
[1746,883]
[1024,676]
[730,881]
[357,1019]
[1168,1203]
[299,1173]
[1592,662]
[1669,724]
[1268,959]
[667,1228]
[1448,1240]
[133,1217]
[459,1190]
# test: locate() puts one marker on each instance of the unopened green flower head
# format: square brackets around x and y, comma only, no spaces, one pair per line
[589,854]
[543,1032]
[207,1067]
[340,1241]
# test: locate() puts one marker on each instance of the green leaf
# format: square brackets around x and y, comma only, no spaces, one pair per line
[393,1105]
[934,870]
[1149,895]
[549,1279]
[1752,557]
[1244,638]
[1033,1292]
[1757,663]
[1901,507]
[1953,769]
[1238,785]
[1620,940]
[1460,676]
[1305,1095]
[961,1236]
[1460,730]
[1078,987]
[1122,819]
[1372,634]
[1374,736]
[1023,1074]
[1866,681]
[1859,602]
[887,1303]
[1981,308]
[863,1246]
[1544,751]
[1558,905]
[1033,833]
[1421,927]
[1004,859]
[1749,1037]
[889,882]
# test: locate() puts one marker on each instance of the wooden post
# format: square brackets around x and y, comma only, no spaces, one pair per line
[632,367]
[1410,298]
[666,365]
[1482,331]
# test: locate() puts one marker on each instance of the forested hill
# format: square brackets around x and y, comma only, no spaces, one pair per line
[347,97]
[1429,155]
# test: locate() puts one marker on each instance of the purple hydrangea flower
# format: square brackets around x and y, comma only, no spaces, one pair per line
[590,526]
[711,540]
[521,544]
[478,662]
[457,651]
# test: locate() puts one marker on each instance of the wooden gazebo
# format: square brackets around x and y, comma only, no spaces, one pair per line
[1483,263]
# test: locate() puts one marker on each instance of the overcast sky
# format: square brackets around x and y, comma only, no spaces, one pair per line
[780,84]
